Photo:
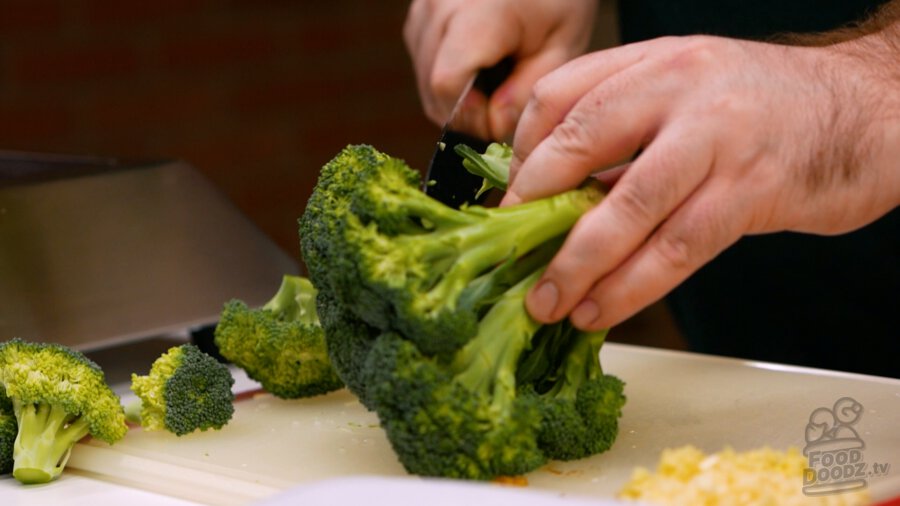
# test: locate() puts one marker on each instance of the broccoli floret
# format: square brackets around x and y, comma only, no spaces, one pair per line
[186,390]
[58,396]
[462,418]
[282,344]
[411,260]
[580,405]
[424,318]
[8,430]
[349,341]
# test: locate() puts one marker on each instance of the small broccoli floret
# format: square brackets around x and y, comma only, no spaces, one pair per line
[580,405]
[462,418]
[186,390]
[8,430]
[282,344]
[58,397]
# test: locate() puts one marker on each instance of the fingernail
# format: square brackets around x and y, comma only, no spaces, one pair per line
[585,313]
[543,299]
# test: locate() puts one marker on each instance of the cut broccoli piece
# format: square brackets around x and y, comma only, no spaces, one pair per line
[282,344]
[186,390]
[58,396]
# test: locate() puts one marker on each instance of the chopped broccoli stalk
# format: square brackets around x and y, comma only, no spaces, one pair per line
[186,390]
[492,165]
[282,344]
[58,396]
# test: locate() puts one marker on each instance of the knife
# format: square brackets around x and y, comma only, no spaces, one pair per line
[447,180]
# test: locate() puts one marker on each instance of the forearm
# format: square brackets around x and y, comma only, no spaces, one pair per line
[873,59]
[860,63]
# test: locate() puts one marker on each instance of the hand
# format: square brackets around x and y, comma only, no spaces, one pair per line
[735,138]
[450,40]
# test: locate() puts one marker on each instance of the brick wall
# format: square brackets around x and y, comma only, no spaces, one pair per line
[257,94]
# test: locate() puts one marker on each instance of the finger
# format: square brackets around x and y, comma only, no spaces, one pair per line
[699,230]
[508,101]
[473,40]
[605,128]
[425,39]
[655,184]
[554,95]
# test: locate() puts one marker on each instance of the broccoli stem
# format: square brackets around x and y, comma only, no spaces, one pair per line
[294,301]
[582,363]
[487,364]
[45,440]
[503,233]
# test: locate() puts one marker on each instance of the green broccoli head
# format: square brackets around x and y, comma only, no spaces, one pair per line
[580,405]
[282,344]
[58,397]
[349,341]
[424,318]
[462,418]
[326,216]
[405,261]
[186,390]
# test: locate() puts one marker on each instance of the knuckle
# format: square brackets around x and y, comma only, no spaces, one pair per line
[572,138]
[542,95]
[675,251]
[693,52]
[632,203]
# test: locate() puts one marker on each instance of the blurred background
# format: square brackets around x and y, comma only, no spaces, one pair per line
[257,95]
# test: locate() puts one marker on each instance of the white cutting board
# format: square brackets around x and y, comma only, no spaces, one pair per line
[674,398]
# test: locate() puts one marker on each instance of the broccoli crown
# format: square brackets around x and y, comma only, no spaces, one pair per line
[580,405]
[282,344]
[462,418]
[58,396]
[349,341]
[186,390]
[402,260]
[423,311]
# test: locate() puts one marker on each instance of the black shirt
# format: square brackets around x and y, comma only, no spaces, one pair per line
[831,302]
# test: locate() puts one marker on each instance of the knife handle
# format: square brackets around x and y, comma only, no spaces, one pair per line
[489,79]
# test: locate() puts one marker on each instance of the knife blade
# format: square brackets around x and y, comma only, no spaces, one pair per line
[447,180]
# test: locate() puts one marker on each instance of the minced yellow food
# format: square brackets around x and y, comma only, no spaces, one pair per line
[687,476]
